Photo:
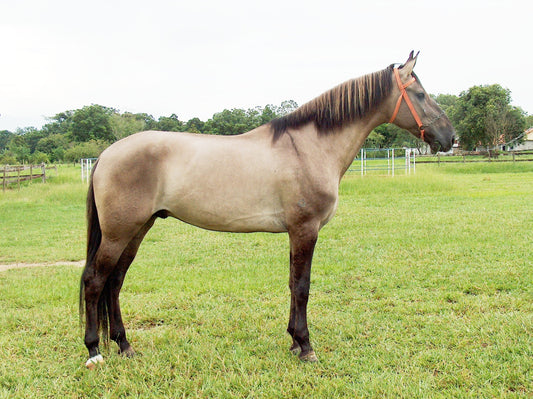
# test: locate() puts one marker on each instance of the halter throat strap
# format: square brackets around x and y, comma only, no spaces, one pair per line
[403,95]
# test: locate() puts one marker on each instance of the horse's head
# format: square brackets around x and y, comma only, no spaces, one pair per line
[414,110]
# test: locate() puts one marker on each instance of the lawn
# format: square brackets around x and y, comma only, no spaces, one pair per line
[422,287]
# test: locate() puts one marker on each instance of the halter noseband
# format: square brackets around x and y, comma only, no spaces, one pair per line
[403,94]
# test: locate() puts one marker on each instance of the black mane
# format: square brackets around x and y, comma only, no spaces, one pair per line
[339,106]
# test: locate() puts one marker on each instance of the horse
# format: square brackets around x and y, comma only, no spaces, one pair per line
[282,177]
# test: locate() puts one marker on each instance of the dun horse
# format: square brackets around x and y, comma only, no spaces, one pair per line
[281,177]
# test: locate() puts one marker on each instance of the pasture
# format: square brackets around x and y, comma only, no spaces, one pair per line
[422,287]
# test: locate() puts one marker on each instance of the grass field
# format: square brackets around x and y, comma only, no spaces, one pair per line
[422,287]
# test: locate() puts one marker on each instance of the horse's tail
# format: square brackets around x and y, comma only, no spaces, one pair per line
[94,238]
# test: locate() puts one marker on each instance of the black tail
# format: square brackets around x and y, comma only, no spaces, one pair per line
[94,238]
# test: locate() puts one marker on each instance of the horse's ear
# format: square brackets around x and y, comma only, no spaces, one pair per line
[407,68]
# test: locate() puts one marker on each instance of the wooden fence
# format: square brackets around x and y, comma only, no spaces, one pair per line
[20,173]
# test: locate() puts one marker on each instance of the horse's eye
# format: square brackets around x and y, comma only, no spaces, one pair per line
[420,96]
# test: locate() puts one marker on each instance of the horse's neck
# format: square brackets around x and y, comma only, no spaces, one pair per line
[344,145]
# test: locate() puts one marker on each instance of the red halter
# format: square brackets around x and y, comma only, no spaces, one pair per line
[404,95]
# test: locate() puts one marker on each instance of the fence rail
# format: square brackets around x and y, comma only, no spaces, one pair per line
[19,173]
[386,161]
[474,157]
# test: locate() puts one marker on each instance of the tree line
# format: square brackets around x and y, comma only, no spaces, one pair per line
[482,116]
[86,132]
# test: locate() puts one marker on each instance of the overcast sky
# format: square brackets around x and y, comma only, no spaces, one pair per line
[194,57]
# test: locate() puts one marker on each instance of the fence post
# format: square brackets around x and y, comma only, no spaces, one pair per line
[4,180]
[393,162]
[388,161]
[362,161]
[43,169]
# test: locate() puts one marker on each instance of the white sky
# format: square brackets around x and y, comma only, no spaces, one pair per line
[198,57]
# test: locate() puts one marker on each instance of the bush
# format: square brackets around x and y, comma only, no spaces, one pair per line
[8,159]
[89,149]
[38,158]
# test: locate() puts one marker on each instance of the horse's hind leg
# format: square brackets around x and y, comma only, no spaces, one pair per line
[94,278]
[117,331]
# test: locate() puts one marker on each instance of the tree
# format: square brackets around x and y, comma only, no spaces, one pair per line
[391,136]
[446,101]
[268,113]
[5,136]
[19,149]
[374,140]
[92,123]
[228,122]
[286,107]
[7,158]
[170,124]
[32,136]
[126,124]
[59,124]
[195,125]
[237,121]
[529,122]
[38,158]
[89,149]
[53,146]
[483,116]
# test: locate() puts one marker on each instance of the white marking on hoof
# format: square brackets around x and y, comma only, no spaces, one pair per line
[94,361]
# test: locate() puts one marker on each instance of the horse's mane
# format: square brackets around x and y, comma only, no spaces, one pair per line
[339,106]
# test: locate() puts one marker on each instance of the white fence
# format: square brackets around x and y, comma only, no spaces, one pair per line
[387,161]
[86,167]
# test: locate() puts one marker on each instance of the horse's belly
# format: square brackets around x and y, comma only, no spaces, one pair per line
[221,219]
[228,207]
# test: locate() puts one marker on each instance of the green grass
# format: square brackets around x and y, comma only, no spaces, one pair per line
[44,222]
[422,287]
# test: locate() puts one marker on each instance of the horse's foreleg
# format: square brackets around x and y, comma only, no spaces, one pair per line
[302,248]
[295,347]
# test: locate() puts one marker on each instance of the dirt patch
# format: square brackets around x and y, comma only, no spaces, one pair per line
[5,267]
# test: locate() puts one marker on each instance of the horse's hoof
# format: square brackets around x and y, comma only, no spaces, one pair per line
[128,352]
[94,361]
[309,357]
[295,348]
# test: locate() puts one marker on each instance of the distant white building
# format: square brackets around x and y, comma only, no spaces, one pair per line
[515,145]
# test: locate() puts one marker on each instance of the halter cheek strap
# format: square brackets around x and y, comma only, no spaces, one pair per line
[403,95]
